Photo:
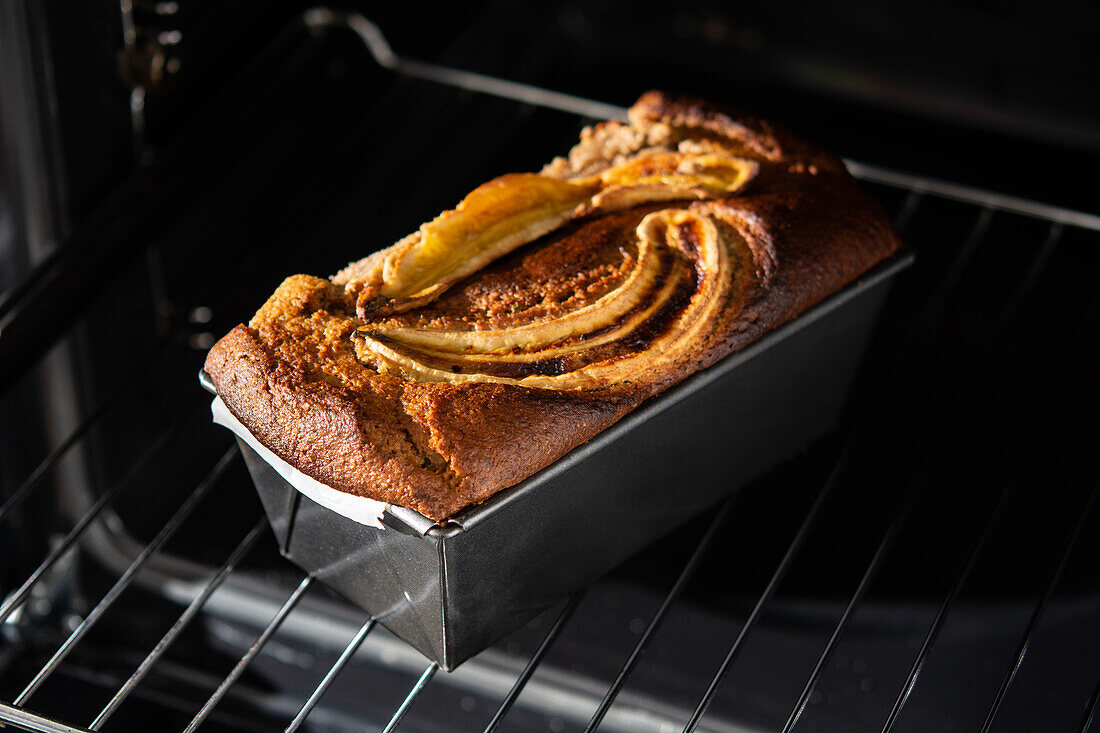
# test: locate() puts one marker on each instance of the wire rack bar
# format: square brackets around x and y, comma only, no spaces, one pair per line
[131,377]
[181,623]
[959,262]
[333,672]
[766,596]
[943,611]
[1038,264]
[375,41]
[654,623]
[403,708]
[33,721]
[1027,284]
[535,660]
[20,595]
[165,533]
[1037,614]
[1090,709]
[1046,251]
[972,195]
[90,419]
[908,210]
[261,641]
[861,590]
[62,448]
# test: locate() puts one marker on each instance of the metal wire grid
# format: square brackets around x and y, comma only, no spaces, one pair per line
[917,191]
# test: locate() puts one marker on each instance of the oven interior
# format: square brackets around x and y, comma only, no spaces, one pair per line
[930,565]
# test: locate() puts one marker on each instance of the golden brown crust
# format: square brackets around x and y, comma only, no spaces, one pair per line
[800,230]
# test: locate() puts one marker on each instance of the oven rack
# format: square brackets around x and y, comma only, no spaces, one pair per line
[197,586]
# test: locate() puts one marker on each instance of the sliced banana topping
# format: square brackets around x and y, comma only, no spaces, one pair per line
[513,210]
[677,281]
[496,218]
[700,175]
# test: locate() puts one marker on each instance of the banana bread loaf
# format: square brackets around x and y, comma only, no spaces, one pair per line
[544,307]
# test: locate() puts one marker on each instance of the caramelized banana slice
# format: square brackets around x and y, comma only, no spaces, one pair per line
[688,243]
[600,314]
[473,360]
[493,220]
[670,177]
[702,173]
[513,210]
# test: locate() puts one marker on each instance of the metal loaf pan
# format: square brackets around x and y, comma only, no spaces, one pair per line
[453,588]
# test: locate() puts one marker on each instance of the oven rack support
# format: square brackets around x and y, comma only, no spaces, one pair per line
[918,189]
[317,19]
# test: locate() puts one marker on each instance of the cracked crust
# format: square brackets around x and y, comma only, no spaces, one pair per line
[293,378]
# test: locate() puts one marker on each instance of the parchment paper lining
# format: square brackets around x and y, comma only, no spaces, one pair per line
[356,508]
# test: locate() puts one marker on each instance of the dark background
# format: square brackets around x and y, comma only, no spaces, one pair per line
[999,94]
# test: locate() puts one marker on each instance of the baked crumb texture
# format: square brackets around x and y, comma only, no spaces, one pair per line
[544,307]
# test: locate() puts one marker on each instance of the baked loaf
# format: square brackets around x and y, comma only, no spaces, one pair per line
[546,306]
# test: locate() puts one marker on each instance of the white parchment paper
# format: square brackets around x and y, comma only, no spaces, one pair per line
[356,508]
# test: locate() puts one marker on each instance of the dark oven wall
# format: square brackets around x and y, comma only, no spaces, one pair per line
[999,95]
[917,86]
